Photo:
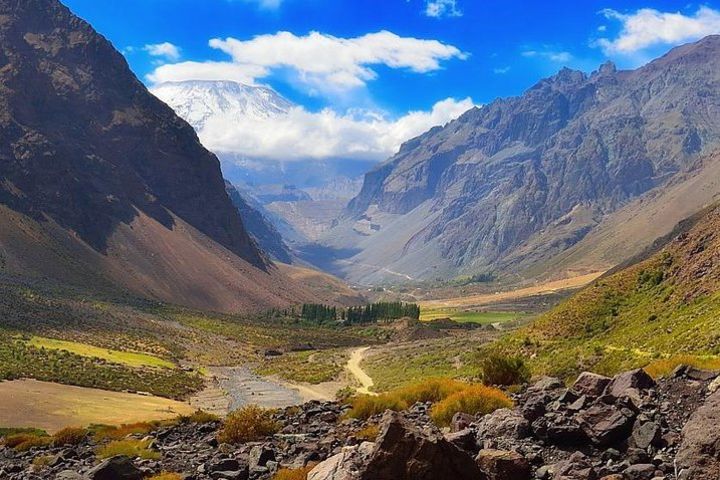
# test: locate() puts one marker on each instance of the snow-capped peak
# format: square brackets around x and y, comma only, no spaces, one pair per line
[197,101]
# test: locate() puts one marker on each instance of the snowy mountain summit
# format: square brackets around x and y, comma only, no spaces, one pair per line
[197,101]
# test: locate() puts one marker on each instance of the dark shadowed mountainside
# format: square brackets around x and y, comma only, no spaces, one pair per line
[101,184]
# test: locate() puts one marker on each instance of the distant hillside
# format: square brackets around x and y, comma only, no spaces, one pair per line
[103,186]
[665,305]
[513,184]
[260,227]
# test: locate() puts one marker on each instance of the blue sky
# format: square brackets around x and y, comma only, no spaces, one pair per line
[472,49]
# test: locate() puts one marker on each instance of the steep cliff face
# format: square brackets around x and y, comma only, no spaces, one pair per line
[572,149]
[105,173]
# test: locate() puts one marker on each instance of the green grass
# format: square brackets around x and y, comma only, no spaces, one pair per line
[652,313]
[311,367]
[464,316]
[407,364]
[131,359]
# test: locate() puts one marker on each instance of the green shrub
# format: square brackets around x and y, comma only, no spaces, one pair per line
[498,369]
[247,424]
[474,400]
[199,416]
[128,448]
[69,436]
[32,441]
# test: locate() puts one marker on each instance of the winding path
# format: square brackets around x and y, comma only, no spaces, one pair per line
[354,368]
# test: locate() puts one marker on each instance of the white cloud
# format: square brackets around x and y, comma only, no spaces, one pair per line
[648,27]
[266,4]
[442,8]
[501,70]
[552,55]
[321,61]
[300,135]
[165,49]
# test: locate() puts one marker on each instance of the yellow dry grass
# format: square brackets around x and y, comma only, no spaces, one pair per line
[51,406]
[503,296]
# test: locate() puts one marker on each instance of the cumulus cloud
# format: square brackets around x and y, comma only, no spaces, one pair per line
[321,61]
[301,135]
[442,8]
[166,50]
[648,27]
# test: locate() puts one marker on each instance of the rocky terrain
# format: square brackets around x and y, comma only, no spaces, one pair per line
[104,186]
[520,180]
[624,428]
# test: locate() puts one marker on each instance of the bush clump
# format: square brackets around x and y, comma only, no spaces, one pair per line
[25,441]
[128,448]
[199,416]
[474,400]
[431,390]
[166,476]
[69,436]
[294,473]
[111,432]
[368,433]
[247,424]
[503,370]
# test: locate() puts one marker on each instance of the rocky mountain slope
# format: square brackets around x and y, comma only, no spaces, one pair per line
[662,309]
[521,180]
[260,227]
[624,428]
[101,184]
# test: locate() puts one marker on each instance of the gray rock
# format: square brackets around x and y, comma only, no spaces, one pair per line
[503,465]
[116,468]
[590,384]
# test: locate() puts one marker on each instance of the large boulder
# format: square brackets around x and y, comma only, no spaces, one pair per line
[606,424]
[699,455]
[629,383]
[501,425]
[590,384]
[401,452]
[116,468]
[503,465]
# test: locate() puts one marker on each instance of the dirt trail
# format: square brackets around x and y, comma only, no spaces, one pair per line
[354,368]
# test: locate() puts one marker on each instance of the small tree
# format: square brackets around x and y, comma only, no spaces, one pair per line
[498,369]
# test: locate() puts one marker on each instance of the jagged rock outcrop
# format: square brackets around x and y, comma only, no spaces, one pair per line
[522,179]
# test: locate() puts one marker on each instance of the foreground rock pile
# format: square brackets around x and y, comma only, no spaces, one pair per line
[624,428]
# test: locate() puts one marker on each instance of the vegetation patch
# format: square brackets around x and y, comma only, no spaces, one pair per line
[315,366]
[473,400]
[665,366]
[294,473]
[69,436]
[470,316]
[129,448]
[450,396]
[503,370]
[248,424]
[131,359]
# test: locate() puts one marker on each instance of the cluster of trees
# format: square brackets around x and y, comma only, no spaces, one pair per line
[371,313]
[319,313]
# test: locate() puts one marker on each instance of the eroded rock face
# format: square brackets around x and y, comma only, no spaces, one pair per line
[699,453]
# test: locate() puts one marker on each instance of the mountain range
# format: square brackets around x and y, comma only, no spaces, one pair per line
[576,174]
[104,186]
